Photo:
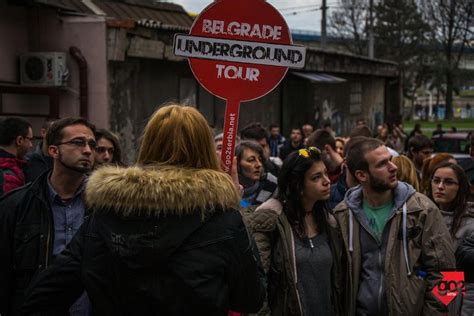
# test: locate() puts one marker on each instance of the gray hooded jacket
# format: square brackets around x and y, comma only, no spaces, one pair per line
[373,251]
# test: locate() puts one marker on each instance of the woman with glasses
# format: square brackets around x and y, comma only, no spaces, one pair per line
[299,242]
[258,184]
[450,191]
[165,236]
[428,166]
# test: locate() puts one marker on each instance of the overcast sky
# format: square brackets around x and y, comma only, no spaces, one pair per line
[307,18]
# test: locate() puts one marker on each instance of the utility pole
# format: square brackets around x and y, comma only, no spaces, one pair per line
[323,24]
[371,29]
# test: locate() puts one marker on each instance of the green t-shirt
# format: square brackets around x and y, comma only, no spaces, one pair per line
[377,217]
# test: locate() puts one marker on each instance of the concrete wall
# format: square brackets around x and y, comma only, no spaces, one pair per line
[138,86]
[13,41]
[55,33]
[319,103]
[40,30]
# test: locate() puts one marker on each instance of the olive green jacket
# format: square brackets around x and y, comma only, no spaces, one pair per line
[274,238]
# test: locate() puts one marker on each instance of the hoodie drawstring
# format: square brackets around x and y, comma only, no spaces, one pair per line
[351,231]
[405,241]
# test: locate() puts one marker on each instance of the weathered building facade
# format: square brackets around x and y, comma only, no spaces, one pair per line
[131,71]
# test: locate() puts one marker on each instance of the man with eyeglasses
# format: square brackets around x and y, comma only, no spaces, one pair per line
[16,138]
[39,220]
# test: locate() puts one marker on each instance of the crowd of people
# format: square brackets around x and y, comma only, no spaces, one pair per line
[311,224]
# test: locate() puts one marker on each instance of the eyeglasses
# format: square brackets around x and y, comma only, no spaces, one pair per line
[29,138]
[306,152]
[446,182]
[78,142]
[101,150]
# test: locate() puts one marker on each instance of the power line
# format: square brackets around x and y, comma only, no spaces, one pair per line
[297,8]
[299,12]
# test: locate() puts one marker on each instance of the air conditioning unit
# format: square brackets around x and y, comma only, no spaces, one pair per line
[43,69]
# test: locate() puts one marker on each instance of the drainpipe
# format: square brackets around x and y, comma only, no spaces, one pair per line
[83,83]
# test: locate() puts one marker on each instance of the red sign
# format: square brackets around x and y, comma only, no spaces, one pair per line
[239,51]
[449,287]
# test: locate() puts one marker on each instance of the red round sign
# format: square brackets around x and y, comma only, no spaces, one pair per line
[238,51]
[243,21]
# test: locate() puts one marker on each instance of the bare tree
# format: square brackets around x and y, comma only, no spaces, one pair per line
[452,22]
[402,36]
[350,22]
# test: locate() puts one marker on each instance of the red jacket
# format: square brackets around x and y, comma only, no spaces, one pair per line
[11,172]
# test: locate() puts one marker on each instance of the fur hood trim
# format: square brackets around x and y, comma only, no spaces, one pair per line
[271,204]
[160,190]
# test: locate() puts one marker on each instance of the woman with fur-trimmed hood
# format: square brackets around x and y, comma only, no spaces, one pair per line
[164,237]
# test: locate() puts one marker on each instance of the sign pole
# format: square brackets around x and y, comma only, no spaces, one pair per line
[231,125]
[238,55]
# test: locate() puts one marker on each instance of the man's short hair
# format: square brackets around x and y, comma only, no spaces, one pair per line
[273,125]
[55,131]
[321,138]
[47,123]
[362,130]
[355,158]
[253,131]
[419,142]
[351,143]
[11,128]
[298,128]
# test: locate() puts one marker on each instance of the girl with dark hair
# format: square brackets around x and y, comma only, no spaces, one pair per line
[108,149]
[258,184]
[450,191]
[299,242]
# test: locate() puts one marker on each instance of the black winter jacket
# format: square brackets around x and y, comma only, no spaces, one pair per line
[26,239]
[162,241]
[38,163]
[465,258]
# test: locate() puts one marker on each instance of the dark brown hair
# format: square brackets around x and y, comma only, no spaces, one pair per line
[459,204]
[355,158]
[111,137]
[321,138]
[54,135]
[11,128]
[290,186]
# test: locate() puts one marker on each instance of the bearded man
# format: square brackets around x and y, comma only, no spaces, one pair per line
[396,241]
[40,219]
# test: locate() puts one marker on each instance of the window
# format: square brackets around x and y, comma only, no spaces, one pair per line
[356,98]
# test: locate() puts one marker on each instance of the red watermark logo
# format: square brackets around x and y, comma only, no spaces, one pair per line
[449,287]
